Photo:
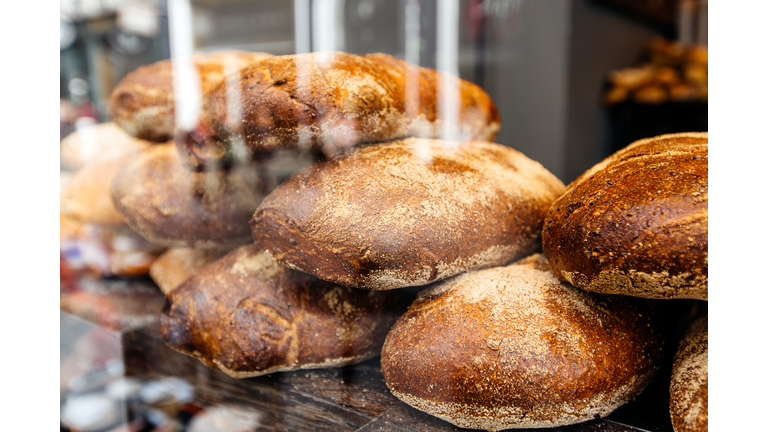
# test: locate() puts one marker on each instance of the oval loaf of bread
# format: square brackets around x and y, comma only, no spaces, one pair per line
[334,100]
[247,316]
[142,103]
[407,213]
[513,347]
[689,387]
[636,223]
[175,207]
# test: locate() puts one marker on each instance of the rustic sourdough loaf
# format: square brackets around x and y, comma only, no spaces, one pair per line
[407,213]
[689,387]
[176,265]
[513,347]
[333,100]
[246,315]
[175,207]
[142,103]
[636,223]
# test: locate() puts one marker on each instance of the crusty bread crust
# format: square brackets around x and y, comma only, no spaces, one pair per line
[689,387]
[142,103]
[332,100]
[636,223]
[247,316]
[407,212]
[513,347]
[175,207]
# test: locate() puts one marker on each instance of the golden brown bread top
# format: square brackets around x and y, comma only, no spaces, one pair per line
[513,347]
[142,102]
[407,212]
[637,222]
[176,265]
[173,206]
[331,100]
[249,316]
[689,387]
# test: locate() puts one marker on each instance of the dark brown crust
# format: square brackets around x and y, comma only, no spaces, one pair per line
[689,387]
[637,223]
[246,315]
[333,100]
[512,347]
[142,103]
[407,213]
[175,207]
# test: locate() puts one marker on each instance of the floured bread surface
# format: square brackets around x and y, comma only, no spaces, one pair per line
[142,103]
[637,223]
[333,101]
[176,265]
[246,315]
[513,347]
[172,206]
[689,387]
[407,213]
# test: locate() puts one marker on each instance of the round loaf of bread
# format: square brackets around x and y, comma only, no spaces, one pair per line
[247,316]
[407,213]
[513,347]
[689,387]
[332,101]
[175,207]
[142,103]
[636,223]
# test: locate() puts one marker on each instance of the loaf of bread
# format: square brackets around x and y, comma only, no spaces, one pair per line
[88,143]
[142,103]
[334,100]
[175,207]
[407,212]
[689,387]
[513,347]
[246,315]
[176,265]
[637,222]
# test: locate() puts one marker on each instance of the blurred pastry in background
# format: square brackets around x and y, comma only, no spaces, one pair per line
[176,265]
[672,72]
[88,143]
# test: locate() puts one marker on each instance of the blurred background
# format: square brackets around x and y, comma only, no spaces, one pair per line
[573,80]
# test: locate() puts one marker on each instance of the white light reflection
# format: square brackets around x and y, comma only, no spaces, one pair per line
[327,28]
[186,79]
[448,63]
[301,24]
[412,85]
[232,68]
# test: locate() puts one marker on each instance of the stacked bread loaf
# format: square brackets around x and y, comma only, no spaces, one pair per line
[317,270]
[636,224]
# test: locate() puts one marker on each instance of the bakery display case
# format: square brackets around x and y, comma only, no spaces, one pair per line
[340,214]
